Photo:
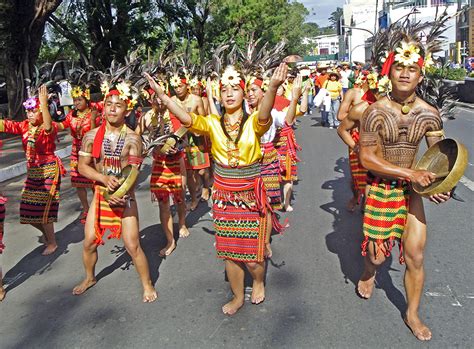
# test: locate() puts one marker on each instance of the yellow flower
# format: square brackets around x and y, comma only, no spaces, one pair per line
[76,92]
[230,77]
[372,80]
[408,54]
[385,85]
[145,94]
[175,81]
[427,62]
[124,89]
[131,104]
[87,94]
[104,87]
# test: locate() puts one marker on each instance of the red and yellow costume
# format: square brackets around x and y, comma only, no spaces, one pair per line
[40,195]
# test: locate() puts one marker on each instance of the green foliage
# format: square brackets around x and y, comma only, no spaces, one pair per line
[457,74]
[335,16]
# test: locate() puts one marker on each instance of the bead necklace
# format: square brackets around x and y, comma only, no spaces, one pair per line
[233,153]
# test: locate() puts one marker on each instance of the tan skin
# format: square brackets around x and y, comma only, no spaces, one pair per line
[350,112]
[404,81]
[115,111]
[81,105]
[166,218]
[232,98]
[192,104]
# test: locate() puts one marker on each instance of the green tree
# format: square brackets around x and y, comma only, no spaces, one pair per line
[22,24]
[335,17]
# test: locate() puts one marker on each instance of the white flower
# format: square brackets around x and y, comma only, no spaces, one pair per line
[175,81]
[194,82]
[408,54]
[104,87]
[124,90]
[230,77]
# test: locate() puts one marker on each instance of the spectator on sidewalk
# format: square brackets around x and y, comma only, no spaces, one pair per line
[334,87]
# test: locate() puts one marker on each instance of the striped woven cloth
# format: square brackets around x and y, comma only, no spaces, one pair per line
[385,214]
[107,218]
[166,178]
[271,174]
[286,146]
[358,173]
[196,157]
[40,196]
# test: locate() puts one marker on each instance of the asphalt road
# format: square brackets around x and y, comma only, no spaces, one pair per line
[310,301]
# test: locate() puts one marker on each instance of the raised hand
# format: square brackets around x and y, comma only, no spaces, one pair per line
[209,87]
[279,75]
[296,89]
[154,85]
[43,95]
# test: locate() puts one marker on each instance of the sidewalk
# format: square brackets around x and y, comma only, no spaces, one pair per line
[12,155]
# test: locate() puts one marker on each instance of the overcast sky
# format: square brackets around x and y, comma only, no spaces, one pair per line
[319,10]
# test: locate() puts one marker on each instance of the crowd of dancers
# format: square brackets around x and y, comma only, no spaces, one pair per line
[240,152]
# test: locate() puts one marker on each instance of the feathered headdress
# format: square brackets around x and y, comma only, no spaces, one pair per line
[409,42]
[81,80]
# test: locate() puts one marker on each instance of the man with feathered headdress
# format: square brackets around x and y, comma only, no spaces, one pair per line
[105,152]
[390,133]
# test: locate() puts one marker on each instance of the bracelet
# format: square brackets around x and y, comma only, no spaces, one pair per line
[265,124]
[439,133]
[83,153]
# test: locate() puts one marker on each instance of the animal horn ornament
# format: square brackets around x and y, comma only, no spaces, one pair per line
[128,179]
[166,142]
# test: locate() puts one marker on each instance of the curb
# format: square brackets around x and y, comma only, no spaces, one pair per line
[464,105]
[19,169]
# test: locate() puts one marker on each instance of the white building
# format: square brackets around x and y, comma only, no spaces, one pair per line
[323,44]
[425,10]
[362,16]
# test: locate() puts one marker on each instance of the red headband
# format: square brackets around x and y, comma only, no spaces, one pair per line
[391,59]
[258,82]
[184,81]
[241,84]
[116,93]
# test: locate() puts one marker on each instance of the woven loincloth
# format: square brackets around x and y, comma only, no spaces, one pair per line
[40,195]
[106,217]
[166,178]
[271,174]
[385,216]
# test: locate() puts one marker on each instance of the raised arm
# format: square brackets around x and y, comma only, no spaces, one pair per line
[210,98]
[180,113]
[47,120]
[278,77]
[295,96]
[304,100]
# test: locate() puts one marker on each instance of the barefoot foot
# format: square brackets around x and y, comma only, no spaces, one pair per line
[268,250]
[233,306]
[365,286]
[2,293]
[149,294]
[83,286]
[169,248]
[50,248]
[183,232]
[289,208]
[258,292]
[205,194]
[418,328]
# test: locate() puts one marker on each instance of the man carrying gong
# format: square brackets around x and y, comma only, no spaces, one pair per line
[105,152]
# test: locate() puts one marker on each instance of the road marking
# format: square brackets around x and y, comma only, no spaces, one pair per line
[456,299]
[467,182]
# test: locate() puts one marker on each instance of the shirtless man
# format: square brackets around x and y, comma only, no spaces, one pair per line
[168,171]
[192,104]
[352,107]
[391,130]
[105,152]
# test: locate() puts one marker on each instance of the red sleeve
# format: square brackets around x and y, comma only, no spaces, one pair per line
[67,121]
[280,103]
[175,122]
[13,127]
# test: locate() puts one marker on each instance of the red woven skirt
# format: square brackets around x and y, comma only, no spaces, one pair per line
[166,178]
[271,174]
